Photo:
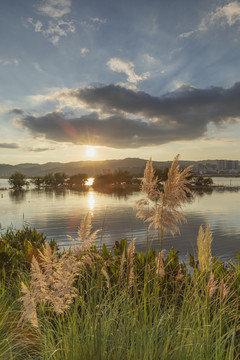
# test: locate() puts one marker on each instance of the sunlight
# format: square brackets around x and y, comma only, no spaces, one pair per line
[89,181]
[91,151]
[91,201]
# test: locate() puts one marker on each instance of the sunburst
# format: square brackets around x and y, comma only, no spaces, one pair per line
[90,151]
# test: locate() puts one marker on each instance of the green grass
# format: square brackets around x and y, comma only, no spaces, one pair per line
[156,318]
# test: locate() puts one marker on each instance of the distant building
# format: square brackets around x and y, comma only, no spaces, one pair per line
[227,165]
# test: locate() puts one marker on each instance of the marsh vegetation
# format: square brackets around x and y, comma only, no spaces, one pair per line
[89,303]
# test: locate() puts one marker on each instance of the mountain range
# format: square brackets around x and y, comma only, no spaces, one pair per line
[92,168]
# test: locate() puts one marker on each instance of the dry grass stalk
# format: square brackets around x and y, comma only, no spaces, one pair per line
[204,241]
[52,276]
[88,259]
[149,184]
[223,290]
[212,286]
[30,313]
[130,258]
[123,259]
[51,283]
[162,209]
[160,268]
[105,274]
[180,275]
[85,237]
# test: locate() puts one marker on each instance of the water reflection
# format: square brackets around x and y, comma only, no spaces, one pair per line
[202,192]
[58,214]
[91,201]
[17,195]
[117,191]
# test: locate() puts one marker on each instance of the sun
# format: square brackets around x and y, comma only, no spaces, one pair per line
[91,151]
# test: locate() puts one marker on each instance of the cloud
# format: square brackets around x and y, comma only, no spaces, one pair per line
[9,146]
[186,34]
[58,26]
[150,59]
[98,20]
[9,62]
[84,51]
[138,119]
[226,15]
[16,111]
[37,67]
[53,30]
[38,149]
[215,103]
[54,8]
[114,131]
[127,67]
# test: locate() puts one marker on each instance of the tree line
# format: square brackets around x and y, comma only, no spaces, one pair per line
[118,178]
[61,180]
[51,180]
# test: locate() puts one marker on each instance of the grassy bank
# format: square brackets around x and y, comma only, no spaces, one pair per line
[125,305]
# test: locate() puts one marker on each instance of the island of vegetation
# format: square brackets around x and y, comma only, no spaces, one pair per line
[110,182]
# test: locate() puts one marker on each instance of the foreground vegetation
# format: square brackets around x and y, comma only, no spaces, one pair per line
[95,303]
[118,304]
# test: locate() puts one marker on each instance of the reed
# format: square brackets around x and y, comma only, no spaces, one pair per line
[162,209]
[167,317]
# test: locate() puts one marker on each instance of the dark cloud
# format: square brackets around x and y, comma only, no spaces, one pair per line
[9,146]
[114,131]
[187,105]
[181,115]
[16,111]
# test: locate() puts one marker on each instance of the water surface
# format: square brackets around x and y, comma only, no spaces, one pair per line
[58,214]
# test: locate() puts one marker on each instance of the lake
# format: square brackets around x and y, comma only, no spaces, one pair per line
[58,214]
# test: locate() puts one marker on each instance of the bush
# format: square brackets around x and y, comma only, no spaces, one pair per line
[17,180]
[17,248]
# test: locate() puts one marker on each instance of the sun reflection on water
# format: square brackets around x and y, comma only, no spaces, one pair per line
[91,201]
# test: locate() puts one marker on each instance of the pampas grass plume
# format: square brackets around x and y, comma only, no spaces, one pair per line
[204,241]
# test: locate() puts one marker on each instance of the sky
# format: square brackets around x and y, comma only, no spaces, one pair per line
[106,79]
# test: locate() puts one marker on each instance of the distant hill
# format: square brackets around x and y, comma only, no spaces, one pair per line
[133,165]
[91,168]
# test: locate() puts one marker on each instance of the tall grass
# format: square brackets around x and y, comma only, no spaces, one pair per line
[15,343]
[98,304]
[167,318]
[166,311]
